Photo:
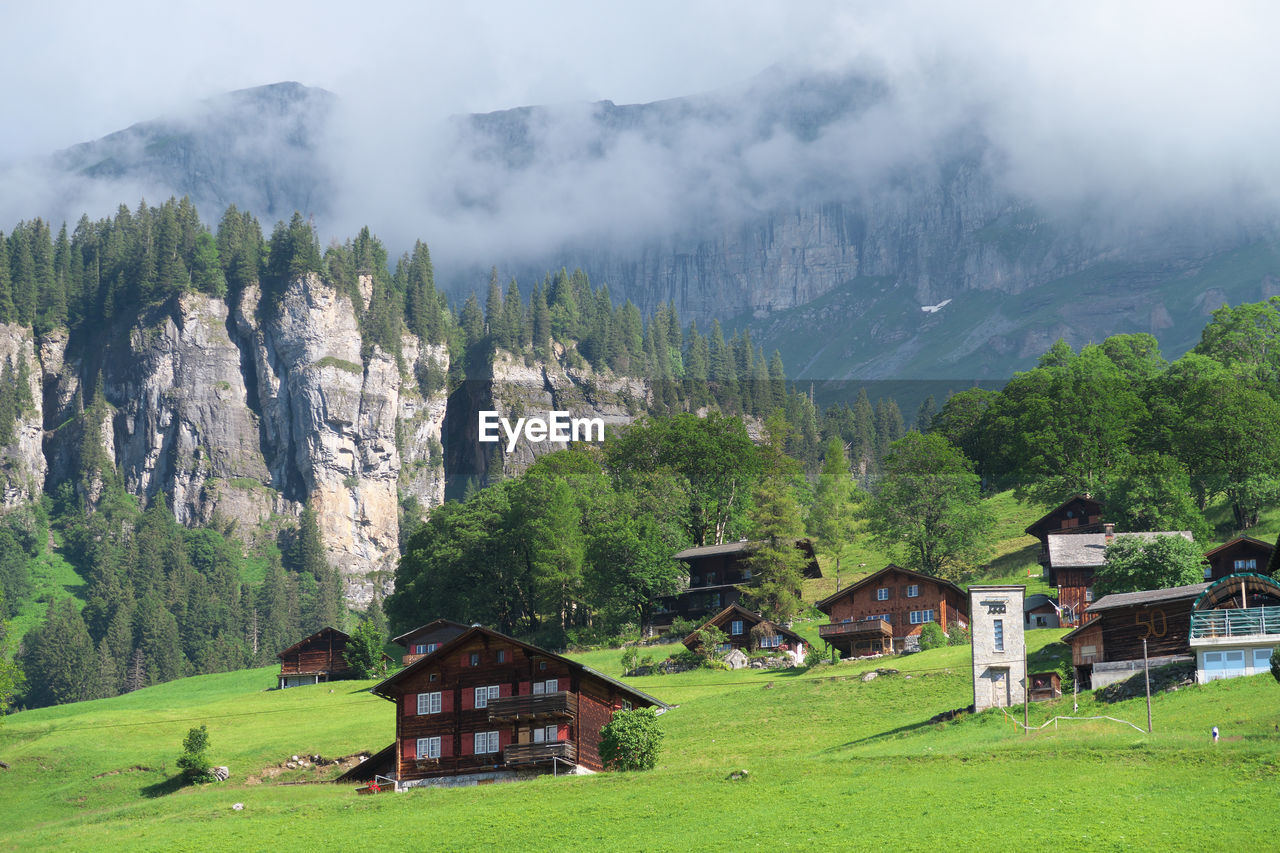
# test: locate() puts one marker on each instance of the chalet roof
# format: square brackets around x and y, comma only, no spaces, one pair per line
[743,546]
[1147,596]
[1086,550]
[1044,519]
[1036,600]
[1240,540]
[747,615]
[825,604]
[317,635]
[438,623]
[382,687]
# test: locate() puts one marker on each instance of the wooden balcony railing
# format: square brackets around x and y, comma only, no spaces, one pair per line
[534,707]
[863,627]
[536,753]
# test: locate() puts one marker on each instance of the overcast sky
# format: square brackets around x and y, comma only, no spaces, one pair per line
[1161,101]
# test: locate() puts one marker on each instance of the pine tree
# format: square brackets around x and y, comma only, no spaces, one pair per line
[6,283]
[541,321]
[831,519]
[517,330]
[472,321]
[494,318]
[925,414]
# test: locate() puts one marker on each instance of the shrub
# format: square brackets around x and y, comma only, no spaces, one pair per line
[630,660]
[957,635]
[931,637]
[707,642]
[364,650]
[681,628]
[631,740]
[193,762]
[817,657]
[686,659]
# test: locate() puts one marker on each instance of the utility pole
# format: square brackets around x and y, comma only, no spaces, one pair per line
[1146,669]
[1026,690]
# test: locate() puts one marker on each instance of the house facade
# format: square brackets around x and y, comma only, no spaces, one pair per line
[1077,514]
[1235,626]
[716,573]
[1039,611]
[1073,562]
[487,707]
[425,639]
[886,611]
[320,657]
[998,646]
[751,632]
[1242,554]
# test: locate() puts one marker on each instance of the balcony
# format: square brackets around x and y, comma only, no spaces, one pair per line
[538,753]
[539,706]
[1224,627]
[408,659]
[862,629]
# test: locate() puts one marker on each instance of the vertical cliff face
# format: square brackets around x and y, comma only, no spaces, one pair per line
[22,464]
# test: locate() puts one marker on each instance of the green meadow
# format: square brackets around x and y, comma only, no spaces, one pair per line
[831,760]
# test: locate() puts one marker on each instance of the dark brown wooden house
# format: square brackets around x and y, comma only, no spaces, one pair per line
[1077,514]
[485,707]
[425,639]
[320,657]
[1108,647]
[1074,559]
[715,573]
[886,611]
[1242,554]
[738,624]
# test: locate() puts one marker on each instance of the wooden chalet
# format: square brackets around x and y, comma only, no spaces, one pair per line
[715,574]
[425,639]
[1039,611]
[886,611]
[1108,646]
[320,657]
[1077,514]
[1235,626]
[739,624]
[484,707]
[1242,554]
[1074,559]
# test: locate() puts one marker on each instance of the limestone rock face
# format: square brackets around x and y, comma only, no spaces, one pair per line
[422,424]
[22,462]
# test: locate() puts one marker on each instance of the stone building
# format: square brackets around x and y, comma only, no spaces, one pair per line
[999,646]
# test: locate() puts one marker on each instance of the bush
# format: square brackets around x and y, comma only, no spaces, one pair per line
[631,740]
[707,642]
[681,628]
[931,637]
[193,762]
[630,660]
[818,657]
[686,659]
[957,635]
[364,650]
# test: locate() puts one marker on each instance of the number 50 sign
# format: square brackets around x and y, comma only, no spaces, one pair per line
[1154,621]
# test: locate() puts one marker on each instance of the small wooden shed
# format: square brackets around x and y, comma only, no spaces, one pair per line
[1045,686]
[320,657]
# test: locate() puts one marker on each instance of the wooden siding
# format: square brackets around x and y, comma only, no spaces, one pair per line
[1089,638]
[324,654]
[1222,562]
[1073,586]
[1166,627]
[861,602]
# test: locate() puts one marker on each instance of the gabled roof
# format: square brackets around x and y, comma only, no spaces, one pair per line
[825,604]
[1146,596]
[1087,550]
[1240,540]
[1035,525]
[438,623]
[747,615]
[317,635]
[742,546]
[1038,599]
[381,688]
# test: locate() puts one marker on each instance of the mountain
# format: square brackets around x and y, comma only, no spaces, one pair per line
[821,210]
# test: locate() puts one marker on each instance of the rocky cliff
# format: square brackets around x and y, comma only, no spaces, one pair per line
[242,413]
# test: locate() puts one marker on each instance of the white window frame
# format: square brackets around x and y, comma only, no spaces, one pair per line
[771,642]
[1088,594]
[429,703]
[475,658]
[551,685]
[735,627]
[431,647]
[428,747]
[485,743]
[882,594]
[1246,565]
[546,734]
[913,591]
[484,694]
[420,649]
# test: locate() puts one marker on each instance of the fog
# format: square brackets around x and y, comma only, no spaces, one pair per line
[1136,113]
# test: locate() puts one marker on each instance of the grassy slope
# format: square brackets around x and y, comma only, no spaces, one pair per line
[823,749]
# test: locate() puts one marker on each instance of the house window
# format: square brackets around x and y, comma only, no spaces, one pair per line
[715,599]
[746,574]
[502,655]
[1246,565]
[431,647]
[919,617]
[913,591]
[735,627]
[428,747]
[429,703]
[1208,573]
[475,658]
[542,664]
[434,676]
[882,594]
[771,642]
[551,685]
[997,629]
[484,694]
[1088,594]
[420,649]
[486,742]
[724,647]
[546,734]
[626,704]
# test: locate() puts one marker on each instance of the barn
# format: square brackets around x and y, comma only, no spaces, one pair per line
[320,657]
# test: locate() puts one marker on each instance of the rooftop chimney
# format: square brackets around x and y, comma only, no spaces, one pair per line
[1109,533]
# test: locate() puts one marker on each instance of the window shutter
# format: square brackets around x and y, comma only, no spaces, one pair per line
[504,738]
[468,746]
[446,701]
[504,690]
[525,688]
[410,704]
[446,746]
[409,749]
[468,699]
[563,732]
